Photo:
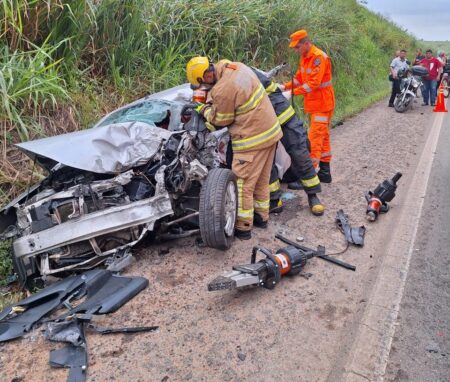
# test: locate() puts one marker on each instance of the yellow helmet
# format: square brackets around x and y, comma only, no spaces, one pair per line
[195,69]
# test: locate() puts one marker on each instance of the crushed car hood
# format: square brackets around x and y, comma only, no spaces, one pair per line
[107,149]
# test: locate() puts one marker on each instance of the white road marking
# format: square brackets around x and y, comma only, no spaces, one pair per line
[369,353]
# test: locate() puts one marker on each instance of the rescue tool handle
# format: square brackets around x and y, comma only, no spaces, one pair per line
[276,270]
[319,253]
[265,251]
[396,177]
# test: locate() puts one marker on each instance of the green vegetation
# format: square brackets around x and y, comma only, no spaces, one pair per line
[65,63]
[435,46]
[5,261]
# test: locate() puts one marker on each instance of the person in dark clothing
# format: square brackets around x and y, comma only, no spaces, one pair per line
[419,57]
[294,141]
[397,64]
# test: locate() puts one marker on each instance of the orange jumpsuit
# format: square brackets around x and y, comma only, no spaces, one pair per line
[313,81]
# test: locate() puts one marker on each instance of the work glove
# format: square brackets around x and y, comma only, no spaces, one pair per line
[199,107]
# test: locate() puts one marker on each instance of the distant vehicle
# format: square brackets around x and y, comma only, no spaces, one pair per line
[411,81]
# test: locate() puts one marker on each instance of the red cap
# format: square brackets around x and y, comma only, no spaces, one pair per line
[296,37]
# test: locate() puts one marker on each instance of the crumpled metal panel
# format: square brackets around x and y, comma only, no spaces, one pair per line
[146,211]
[108,149]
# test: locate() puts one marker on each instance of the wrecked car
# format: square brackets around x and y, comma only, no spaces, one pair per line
[148,167]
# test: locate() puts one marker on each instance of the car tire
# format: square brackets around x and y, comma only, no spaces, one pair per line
[218,208]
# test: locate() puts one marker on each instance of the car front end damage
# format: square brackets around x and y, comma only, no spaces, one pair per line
[107,187]
[81,227]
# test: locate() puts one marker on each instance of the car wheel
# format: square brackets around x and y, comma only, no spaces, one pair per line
[218,208]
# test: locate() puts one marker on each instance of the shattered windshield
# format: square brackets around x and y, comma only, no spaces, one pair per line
[151,112]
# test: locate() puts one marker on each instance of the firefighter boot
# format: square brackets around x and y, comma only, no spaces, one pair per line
[243,235]
[324,173]
[317,208]
[258,221]
[276,206]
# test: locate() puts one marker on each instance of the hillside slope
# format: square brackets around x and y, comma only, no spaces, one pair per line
[65,63]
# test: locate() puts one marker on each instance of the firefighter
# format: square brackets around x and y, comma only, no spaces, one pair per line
[295,142]
[313,81]
[238,100]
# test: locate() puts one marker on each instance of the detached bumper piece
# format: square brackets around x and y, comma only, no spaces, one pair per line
[102,292]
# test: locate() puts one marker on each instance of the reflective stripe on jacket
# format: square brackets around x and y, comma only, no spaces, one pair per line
[239,100]
[281,105]
[313,80]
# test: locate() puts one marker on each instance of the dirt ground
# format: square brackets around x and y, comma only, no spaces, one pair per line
[299,331]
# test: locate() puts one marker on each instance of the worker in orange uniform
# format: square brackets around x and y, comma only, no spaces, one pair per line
[313,81]
[237,99]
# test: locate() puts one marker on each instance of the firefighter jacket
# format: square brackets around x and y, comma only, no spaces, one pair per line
[281,105]
[313,81]
[238,100]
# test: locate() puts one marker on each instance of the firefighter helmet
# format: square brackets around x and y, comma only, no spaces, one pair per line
[195,69]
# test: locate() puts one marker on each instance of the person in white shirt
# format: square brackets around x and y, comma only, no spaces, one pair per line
[397,64]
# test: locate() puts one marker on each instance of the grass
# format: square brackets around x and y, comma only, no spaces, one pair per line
[436,46]
[65,63]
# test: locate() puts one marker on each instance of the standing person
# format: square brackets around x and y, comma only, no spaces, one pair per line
[237,99]
[419,57]
[313,81]
[430,82]
[301,171]
[397,64]
[443,60]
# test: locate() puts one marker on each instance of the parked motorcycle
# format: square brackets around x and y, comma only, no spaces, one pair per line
[411,81]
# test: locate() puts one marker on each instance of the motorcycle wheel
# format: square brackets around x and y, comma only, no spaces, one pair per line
[400,105]
[445,85]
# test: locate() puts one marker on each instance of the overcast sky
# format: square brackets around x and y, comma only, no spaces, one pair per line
[426,19]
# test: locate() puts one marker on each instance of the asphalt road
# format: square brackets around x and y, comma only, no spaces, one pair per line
[421,345]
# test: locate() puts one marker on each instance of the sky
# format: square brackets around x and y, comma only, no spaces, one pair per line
[426,19]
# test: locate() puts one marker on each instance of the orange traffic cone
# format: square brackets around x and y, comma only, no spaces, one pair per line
[440,106]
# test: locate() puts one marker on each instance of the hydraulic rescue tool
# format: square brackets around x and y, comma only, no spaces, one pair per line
[378,199]
[266,272]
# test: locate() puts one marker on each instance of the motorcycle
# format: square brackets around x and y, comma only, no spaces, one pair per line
[411,81]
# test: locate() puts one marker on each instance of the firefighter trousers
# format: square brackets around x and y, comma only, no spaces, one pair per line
[252,169]
[294,141]
[319,137]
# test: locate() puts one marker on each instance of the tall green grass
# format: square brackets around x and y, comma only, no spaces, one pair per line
[65,63]
[139,46]
[92,55]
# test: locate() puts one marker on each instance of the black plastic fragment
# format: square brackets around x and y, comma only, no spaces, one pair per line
[136,329]
[105,293]
[73,357]
[354,235]
[35,307]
